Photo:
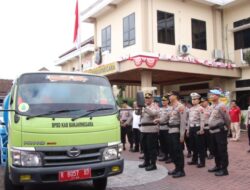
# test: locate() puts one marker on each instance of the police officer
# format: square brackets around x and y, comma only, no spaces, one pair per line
[149,133]
[186,136]
[163,134]
[177,124]
[196,131]
[126,124]
[207,113]
[219,123]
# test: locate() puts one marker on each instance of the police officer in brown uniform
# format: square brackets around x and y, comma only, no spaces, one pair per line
[207,112]
[196,131]
[177,124]
[219,122]
[149,133]
[163,134]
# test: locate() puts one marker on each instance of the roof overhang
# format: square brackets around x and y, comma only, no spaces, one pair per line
[98,8]
[170,73]
[103,6]
[74,54]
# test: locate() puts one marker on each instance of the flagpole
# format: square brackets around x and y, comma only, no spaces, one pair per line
[77,35]
[79,42]
[80,59]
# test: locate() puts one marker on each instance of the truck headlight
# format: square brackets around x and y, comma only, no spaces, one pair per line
[110,153]
[26,158]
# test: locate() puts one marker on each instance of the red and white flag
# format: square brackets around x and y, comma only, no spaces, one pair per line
[76,39]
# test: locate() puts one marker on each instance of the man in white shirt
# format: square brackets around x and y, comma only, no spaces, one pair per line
[136,131]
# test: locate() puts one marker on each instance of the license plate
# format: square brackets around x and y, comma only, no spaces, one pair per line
[73,175]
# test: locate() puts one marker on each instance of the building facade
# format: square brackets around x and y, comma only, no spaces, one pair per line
[182,45]
[5,86]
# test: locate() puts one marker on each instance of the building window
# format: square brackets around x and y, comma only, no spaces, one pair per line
[199,39]
[242,22]
[242,39]
[129,30]
[106,39]
[165,28]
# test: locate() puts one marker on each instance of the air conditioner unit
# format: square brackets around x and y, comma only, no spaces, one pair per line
[218,54]
[184,49]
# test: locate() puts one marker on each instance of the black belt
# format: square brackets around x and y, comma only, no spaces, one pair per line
[206,125]
[174,126]
[146,124]
[217,127]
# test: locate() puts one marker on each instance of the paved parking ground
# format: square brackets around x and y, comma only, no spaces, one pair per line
[137,179]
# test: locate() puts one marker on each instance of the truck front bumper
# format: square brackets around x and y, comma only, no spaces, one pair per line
[43,175]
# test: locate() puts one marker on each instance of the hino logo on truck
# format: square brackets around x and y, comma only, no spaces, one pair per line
[74,152]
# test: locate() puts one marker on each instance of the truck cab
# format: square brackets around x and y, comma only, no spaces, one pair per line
[62,127]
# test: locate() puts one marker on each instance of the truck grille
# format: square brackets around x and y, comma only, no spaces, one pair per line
[61,157]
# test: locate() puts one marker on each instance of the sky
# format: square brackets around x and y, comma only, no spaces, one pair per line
[34,33]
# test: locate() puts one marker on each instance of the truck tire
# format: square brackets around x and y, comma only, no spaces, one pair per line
[8,185]
[100,184]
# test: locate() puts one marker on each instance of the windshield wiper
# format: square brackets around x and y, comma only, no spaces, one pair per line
[90,112]
[51,113]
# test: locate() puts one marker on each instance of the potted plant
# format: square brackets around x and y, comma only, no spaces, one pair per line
[247,56]
[242,122]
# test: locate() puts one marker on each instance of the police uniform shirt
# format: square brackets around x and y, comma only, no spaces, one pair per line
[196,117]
[127,116]
[164,117]
[219,116]
[177,117]
[149,114]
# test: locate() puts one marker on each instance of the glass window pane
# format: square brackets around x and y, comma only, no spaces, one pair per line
[125,43]
[132,21]
[125,24]
[165,27]
[132,35]
[125,36]
[199,40]
[109,33]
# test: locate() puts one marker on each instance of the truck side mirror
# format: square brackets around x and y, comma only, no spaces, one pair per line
[140,99]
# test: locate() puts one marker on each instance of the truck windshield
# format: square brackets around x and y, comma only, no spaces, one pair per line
[64,95]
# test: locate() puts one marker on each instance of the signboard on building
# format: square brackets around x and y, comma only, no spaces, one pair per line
[104,69]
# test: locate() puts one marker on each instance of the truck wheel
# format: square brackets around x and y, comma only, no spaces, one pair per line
[100,184]
[8,185]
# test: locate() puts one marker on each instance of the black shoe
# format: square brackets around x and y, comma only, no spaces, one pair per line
[200,165]
[192,163]
[144,165]
[210,157]
[151,167]
[179,174]
[162,159]
[215,169]
[221,173]
[168,161]
[172,172]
